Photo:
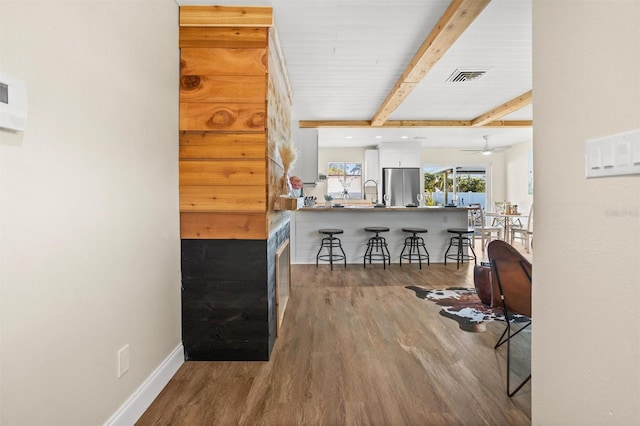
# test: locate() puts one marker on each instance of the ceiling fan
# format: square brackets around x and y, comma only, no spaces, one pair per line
[486,150]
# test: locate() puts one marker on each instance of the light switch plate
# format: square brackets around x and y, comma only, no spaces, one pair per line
[614,155]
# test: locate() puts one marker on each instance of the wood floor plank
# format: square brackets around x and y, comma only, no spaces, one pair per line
[358,348]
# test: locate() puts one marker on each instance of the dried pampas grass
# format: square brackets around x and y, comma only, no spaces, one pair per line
[288,154]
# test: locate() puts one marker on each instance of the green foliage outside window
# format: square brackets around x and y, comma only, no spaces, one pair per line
[468,183]
[436,183]
[471,184]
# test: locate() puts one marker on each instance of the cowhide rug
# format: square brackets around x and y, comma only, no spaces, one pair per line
[464,306]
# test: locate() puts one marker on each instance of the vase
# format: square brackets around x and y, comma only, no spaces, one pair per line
[296,193]
[285,186]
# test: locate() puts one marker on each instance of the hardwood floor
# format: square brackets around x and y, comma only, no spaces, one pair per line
[358,348]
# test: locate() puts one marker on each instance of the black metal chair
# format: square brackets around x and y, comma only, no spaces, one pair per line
[329,243]
[414,243]
[460,241]
[511,274]
[377,248]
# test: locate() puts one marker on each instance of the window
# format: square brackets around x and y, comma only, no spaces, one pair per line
[344,178]
[469,186]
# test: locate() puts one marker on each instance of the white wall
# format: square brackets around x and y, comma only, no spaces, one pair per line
[327,155]
[586,289]
[517,176]
[89,226]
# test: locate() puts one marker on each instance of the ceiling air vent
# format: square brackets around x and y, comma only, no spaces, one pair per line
[460,75]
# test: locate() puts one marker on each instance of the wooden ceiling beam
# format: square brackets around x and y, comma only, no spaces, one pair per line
[455,20]
[308,124]
[504,109]
[225,16]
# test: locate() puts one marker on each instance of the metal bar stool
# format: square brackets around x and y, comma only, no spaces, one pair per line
[377,248]
[330,243]
[461,240]
[414,243]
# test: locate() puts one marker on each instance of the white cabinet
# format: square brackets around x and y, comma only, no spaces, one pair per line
[399,155]
[306,166]
[371,165]
[391,158]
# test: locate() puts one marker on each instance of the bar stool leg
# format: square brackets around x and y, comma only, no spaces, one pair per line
[319,251]
[383,247]
[475,258]
[344,255]
[386,247]
[421,244]
[331,251]
[460,241]
[377,245]
[460,252]
[448,248]
[416,249]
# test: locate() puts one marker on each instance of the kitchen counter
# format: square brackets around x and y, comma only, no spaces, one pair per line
[365,207]
[305,223]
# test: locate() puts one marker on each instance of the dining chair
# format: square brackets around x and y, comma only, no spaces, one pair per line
[525,234]
[511,273]
[481,230]
[498,208]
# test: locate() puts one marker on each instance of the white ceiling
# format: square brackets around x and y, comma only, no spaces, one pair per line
[344,56]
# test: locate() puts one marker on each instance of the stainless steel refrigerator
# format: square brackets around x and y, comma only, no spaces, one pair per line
[402,185]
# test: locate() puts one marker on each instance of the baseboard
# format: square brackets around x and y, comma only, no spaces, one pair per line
[141,399]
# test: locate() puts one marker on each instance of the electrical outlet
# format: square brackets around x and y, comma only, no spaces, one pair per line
[123,360]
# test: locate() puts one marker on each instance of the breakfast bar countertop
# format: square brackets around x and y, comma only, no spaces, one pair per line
[353,218]
[365,207]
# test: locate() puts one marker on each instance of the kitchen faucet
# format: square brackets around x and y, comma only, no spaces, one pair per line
[365,189]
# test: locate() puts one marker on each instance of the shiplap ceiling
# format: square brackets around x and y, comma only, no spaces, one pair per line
[344,57]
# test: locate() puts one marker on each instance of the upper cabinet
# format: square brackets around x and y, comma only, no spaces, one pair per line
[306,167]
[371,165]
[399,154]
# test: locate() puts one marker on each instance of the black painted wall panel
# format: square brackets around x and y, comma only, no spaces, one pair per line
[219,300]
[232,260]
[228,298]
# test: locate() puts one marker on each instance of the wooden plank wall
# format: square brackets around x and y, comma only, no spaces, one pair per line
[234,111]
[235,106]
[223,142]
[279,100]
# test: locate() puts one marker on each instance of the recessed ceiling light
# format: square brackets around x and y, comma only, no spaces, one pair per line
[378,137]
[349,137]
[404,137]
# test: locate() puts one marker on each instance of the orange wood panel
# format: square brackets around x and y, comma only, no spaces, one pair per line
[223,226]
[222,117]
[226,16]
[223,198]
[229,172]
[233,89]
[207,145]
[230,37]
[221,61]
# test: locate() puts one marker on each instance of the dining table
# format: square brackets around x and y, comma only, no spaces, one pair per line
[506,222]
